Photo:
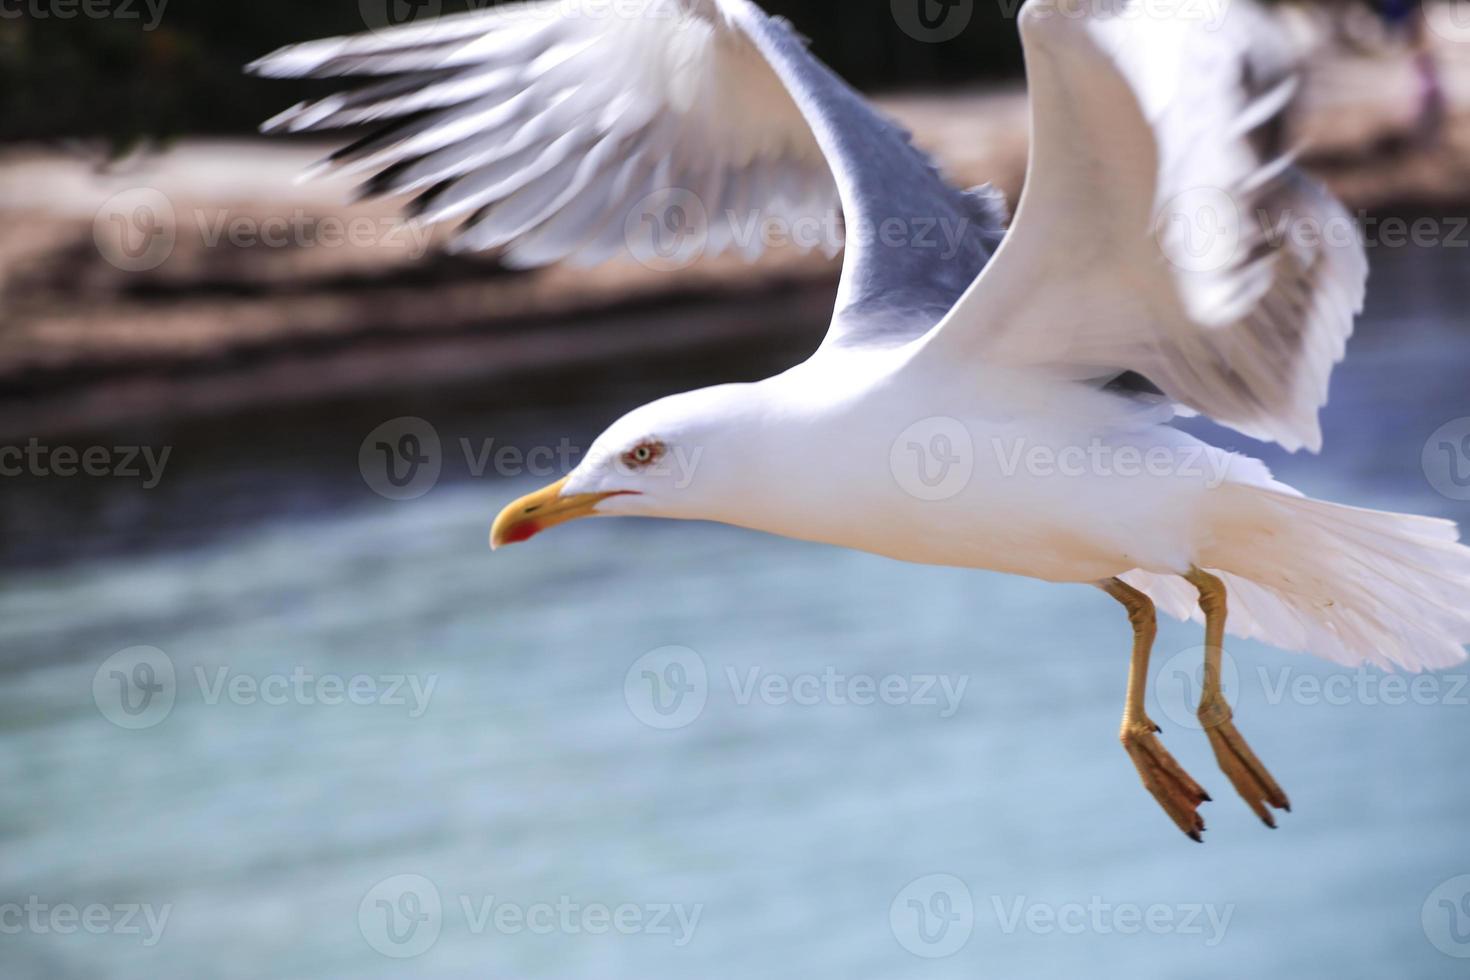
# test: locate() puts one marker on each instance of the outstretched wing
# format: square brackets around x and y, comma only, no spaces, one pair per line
[581,129]
[1162,229]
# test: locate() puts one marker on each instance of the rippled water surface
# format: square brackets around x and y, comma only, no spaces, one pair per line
[522,788]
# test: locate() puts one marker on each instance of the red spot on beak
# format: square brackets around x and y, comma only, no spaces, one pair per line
[524,531]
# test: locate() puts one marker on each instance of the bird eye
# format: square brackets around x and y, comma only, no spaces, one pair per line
[643,454]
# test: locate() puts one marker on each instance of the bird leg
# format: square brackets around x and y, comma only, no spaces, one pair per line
[1251,779]
[1177,793]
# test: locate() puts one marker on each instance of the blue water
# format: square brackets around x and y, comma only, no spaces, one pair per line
[525,776]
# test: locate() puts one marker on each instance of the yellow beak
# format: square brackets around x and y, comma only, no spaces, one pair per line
[535,512]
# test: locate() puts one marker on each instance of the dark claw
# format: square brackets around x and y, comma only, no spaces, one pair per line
[1205,797]
[1195,836]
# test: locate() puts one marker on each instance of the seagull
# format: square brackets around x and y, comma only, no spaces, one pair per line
[999,399]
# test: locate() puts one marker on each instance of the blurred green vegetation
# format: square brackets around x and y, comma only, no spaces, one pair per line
[152,69]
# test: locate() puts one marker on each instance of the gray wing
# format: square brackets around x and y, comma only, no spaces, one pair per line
[580,130]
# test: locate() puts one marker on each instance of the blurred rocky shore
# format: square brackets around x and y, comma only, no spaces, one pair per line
[203,277]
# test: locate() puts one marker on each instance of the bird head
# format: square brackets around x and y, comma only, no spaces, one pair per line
[650,463]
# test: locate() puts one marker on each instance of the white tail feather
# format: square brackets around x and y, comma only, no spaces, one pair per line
[1343,583]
